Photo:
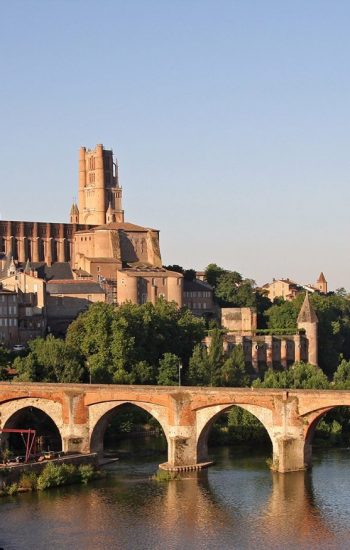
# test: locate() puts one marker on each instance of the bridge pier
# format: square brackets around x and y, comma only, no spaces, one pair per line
[290,455]
[75,443]
[182,448]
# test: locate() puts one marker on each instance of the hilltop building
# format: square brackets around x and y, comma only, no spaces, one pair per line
[288,290]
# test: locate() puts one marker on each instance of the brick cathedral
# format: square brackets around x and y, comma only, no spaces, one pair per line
[98,244]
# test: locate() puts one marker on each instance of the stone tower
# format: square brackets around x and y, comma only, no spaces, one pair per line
[307,320]
[99,188]
[321,284]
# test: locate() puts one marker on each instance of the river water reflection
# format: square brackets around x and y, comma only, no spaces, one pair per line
[237,503]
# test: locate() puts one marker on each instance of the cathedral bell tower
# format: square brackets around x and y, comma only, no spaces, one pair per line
[100,195]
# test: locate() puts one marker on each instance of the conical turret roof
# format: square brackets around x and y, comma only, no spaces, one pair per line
[307,313]
[74,209]
[322,278]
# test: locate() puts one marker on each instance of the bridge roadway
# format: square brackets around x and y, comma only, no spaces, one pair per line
[82,413]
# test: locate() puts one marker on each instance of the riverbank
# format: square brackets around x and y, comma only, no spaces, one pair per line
[43,475]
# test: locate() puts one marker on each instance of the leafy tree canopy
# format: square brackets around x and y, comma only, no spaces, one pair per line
[189,274]
[123,345]
[299,376]
[342,376]
[113,341]
[49,360]
[168,373]
[212,367]
[231,289]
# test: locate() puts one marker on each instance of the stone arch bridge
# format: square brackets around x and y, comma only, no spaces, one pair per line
[82,412]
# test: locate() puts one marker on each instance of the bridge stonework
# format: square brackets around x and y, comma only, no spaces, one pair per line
[82,412]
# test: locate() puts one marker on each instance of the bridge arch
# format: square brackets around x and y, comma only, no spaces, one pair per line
[206,417]
[19,413]
[311,421]
[100,415]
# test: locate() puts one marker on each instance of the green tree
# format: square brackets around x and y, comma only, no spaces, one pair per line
[205,364]
[283,315]
[125,344]
[198,367]
[342,376]
[142,373]
[233,371]
[299,376]
[212,274]
[232,290]
[49,360]
[190,274]
[168,373]
[333,312]
[174,267]
[4,363]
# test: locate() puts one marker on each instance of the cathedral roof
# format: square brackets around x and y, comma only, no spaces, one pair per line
[58,270]
[307,313]
[138,269]
[124,226]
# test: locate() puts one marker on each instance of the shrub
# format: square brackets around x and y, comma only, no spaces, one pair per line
[28,481]
[86,473]
[55,475]
[12,489]
[5,455]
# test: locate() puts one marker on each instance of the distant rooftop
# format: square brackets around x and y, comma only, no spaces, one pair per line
[73,287]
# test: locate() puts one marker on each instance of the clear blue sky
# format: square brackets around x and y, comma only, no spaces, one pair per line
[230,120]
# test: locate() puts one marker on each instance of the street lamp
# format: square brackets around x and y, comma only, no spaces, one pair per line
[180,367]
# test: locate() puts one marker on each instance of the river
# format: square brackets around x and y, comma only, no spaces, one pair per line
[236,504]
